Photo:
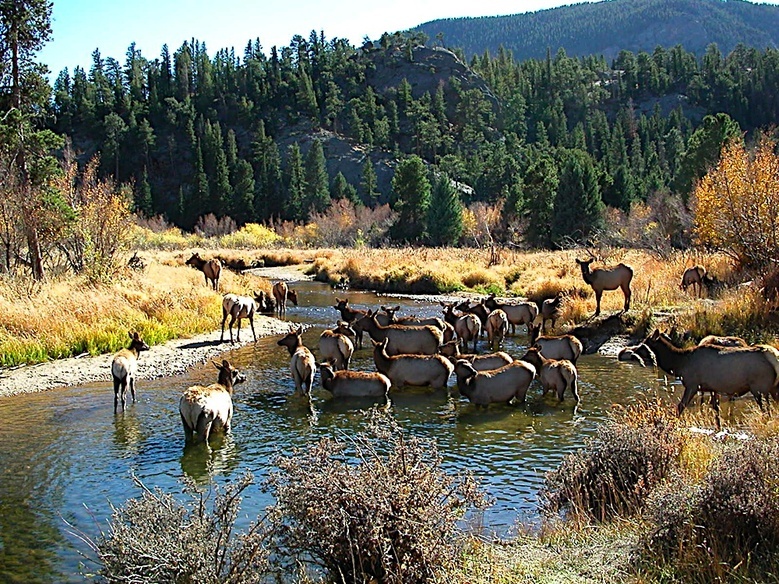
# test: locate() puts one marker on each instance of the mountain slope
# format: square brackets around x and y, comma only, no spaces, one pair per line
[605,28]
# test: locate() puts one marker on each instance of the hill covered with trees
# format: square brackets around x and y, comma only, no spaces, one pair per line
[607,27]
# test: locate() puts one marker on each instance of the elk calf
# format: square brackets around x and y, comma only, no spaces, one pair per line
[205,409]
[336,347]
[124,367]
[693,277]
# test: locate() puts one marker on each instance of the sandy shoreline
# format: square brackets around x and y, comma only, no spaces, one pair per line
[172,358]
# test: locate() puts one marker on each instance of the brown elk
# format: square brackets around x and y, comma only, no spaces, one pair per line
[350,315]
[639,353]
[693,277]
[205,409]
[550,310]
[556,346]
[601,279]
[555,374]
[451,350]
[411,339]
[239,307]
[497,325]
[415,370]
[730,371]
[336,347]
[391,318]
[211,269]
[282,292]
[466,326]
[478,309]
[353,383]
[522,312]
[503,385]
[723,341]
[124,367]
[302,363]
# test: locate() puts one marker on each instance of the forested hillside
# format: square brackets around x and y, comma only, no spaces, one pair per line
[263,137]
[605,28]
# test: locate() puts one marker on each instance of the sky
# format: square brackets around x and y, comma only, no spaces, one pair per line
[81,26]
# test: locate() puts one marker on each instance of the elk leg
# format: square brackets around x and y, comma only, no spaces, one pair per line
[597,302]
[251,322]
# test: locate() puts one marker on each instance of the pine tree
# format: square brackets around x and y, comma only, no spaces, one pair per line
[411,199]
[445,214]
[541,183]
[578,206]
[293,205]
[242,199]
[369,184]
[143,198]
[317,183]
[341,189]
[215,166]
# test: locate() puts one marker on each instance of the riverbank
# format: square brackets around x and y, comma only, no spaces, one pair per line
[173,357]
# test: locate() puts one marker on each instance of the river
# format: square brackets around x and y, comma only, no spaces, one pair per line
[65,458]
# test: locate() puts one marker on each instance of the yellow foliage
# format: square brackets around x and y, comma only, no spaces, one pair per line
[736,205]
[251,235]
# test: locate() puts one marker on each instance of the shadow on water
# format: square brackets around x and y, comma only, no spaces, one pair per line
[67,455]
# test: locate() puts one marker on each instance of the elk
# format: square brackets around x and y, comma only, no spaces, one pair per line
[353,383]
[478,309]
[282,292]
[556,346]
[523,312]
[554,374]
[302,363]
[451,350]
[390,312]
[497,325]
[723,341]
[416,370]
[239,307]
[420,340]
[336,347]
[601,279]
[205,409]
[550,310]
[730,371]
[350,315]
[639,353]
[124,367]
[466,326]
[693,277]
[211,269]
[503,385]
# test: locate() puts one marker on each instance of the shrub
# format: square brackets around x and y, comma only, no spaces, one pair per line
[155,538]
[727,526]
[617,468]
[251,235]
[376,506]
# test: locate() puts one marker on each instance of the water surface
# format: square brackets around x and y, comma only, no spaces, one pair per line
[65,458]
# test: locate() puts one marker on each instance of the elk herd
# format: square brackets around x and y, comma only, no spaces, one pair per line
[426,352]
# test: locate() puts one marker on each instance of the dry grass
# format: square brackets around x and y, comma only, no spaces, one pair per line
[69,317]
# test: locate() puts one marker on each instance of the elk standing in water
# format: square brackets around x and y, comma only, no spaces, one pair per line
[601,279]
[281,292]
[211,269]
[302,364]
[123,369]
[205,409]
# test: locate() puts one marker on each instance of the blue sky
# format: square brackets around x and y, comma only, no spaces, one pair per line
[81,26]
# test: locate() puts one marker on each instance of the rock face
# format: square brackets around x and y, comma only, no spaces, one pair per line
[428,68]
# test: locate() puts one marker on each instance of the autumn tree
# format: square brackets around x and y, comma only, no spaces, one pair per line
[736,205]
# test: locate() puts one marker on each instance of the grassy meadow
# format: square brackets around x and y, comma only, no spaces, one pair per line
[71,315]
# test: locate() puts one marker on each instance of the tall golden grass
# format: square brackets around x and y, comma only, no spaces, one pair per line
[69,317]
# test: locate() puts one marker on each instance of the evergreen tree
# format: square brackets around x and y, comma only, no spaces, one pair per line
[143,199]
[293,205]
[541,183]
[317,183]
[369,184]
[341,189]
[242,199]
[578,207]
[411,200]
[215,167]
[445,214]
